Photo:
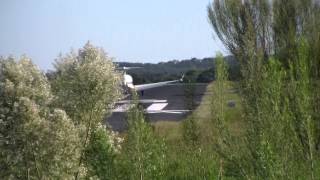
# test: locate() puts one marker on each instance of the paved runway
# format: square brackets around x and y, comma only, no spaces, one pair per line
[169,98]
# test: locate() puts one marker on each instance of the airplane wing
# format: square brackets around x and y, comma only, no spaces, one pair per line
[142,101]
[142,87]
[167,111]
[156,107]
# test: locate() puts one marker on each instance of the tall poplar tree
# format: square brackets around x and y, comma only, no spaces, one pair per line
[276,45]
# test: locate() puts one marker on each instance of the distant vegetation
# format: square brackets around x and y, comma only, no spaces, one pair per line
[202,70]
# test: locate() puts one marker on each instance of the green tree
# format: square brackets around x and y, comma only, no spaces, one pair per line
[301,97]
[280,135]
[190,88]
[190,131]
[219,98]
[101,154]
[224,143]
[144,153]
[276,43]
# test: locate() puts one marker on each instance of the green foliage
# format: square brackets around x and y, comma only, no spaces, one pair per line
[191,76]
[145,154]
[302,106]
[276,43]
[276,149]
[194,163]
[280,135]
[243,26]
[190,132]
[172,70]
[224,142]
[36,141]
[100,155]
[189,89]
[165,70]
[285,127]
[252,29]
[206,76]
[219,99]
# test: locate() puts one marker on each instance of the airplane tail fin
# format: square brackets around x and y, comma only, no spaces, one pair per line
[182,77]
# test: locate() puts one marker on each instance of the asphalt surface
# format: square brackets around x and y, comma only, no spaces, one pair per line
[178,96]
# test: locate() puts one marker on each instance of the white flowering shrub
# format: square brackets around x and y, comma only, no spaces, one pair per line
[35,142]
[39,141]
[86,84]
[23,79]
[115,140]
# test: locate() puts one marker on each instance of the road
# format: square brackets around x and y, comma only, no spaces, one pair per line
[167,103]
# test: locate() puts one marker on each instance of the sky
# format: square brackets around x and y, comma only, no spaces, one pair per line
[128,30]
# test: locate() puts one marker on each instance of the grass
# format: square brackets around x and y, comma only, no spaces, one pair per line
[205,163]
[172,131]
[169,129]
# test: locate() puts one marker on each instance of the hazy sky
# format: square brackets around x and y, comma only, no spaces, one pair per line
[129,30]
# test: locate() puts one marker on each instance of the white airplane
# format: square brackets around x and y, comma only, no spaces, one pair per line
[156,106]
[128,82]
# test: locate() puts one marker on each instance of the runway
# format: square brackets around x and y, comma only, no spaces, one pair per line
[172,102]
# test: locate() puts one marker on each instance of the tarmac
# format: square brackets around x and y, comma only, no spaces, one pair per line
[173,102]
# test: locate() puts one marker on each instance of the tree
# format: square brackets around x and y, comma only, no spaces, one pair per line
[86,86]
[145,154]
[279,140]
[101,154]
[190,132]
[190,88]
[224,143]
[36,141]
[274,43]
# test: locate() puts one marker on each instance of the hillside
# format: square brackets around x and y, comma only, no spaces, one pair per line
[199,70]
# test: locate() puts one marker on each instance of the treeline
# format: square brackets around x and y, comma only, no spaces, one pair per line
[202,70]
